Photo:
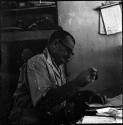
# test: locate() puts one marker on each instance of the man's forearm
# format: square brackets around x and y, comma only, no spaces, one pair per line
[63,92]
[57,95]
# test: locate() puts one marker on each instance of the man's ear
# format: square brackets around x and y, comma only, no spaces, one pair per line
[56,43]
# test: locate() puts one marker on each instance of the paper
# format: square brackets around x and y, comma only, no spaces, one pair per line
[112,17]
[104,115]
[107,111]
[96,119]
[110,112]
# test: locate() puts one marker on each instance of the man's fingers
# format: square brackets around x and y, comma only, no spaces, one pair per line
[93,72]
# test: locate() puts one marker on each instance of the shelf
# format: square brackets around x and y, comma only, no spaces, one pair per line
[25,35]
[28,9]
[108,5]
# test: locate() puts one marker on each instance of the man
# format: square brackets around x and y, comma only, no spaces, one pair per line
[44,94]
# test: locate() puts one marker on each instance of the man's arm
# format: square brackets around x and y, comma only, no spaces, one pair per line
[57,95]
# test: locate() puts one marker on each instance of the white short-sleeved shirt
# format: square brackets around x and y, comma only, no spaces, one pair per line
[43,74]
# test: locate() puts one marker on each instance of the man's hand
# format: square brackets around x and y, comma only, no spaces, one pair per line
[86,77]
[93,74]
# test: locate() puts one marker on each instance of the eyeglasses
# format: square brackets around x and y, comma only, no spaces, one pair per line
[69,50]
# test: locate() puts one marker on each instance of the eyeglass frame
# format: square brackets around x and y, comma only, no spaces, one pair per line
[69,50]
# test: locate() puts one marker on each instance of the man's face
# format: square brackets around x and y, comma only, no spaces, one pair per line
[64,50]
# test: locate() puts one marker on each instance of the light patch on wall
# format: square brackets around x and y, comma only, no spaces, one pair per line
[79,21]
[59,19]
[71,17]
[71,14]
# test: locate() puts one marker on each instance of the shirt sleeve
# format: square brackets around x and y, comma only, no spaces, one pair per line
[38,79]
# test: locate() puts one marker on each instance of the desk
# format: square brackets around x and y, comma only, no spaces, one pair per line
[102,117]
[97,119]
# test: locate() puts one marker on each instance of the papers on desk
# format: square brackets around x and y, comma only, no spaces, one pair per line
[103,115]
[111,112]
[97,119]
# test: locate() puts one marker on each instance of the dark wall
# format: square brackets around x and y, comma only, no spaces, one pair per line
[101,51]
[11,60]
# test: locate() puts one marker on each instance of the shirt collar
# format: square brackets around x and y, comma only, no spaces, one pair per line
[50,61]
